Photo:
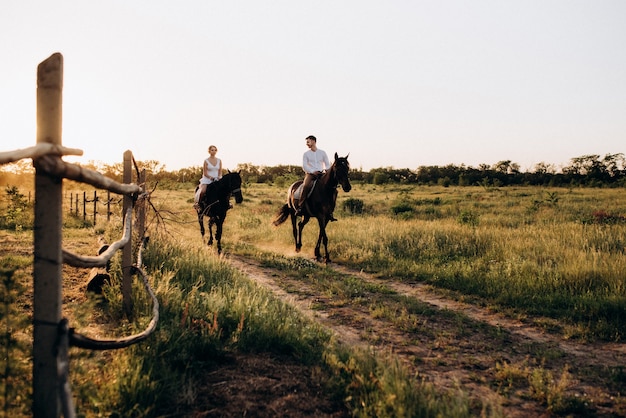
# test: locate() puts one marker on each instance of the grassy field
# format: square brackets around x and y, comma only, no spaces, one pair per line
[552,256]
[553,253]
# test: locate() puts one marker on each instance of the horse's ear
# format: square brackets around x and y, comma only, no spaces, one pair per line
[347,156]
[336,156]
[228,169]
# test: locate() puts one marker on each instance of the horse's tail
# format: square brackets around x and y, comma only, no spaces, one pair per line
[282,215]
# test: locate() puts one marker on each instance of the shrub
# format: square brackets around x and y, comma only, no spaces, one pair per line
[402,207]
[468,218]
[353,206]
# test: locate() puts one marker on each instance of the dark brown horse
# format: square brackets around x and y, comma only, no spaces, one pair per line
[320,204]
[215,204]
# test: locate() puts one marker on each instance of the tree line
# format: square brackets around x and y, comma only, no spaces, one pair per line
[587,170]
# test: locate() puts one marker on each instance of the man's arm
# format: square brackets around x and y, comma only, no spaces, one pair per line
[326,161]
[305,164]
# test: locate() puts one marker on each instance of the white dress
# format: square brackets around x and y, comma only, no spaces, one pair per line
[213,170]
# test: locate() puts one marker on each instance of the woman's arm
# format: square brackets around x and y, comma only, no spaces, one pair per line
[205,169]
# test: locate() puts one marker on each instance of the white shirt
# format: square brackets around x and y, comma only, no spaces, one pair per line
[313,161]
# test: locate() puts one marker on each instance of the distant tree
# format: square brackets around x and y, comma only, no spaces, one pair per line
[615,165]
[544,168]
[249,172]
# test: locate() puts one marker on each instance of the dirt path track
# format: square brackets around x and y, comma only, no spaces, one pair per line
[450,356]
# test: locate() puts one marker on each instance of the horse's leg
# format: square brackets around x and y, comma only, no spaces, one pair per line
[301,224]
[210,241]
[325,242]
[201,222]
[322,238]
[218,234]
[295,231]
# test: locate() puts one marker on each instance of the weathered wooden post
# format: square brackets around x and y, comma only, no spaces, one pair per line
[108,205]
[84,206]
[127,253]
[48,250]
[95,206]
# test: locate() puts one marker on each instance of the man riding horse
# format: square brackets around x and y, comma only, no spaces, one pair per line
[314,163]
[319,203]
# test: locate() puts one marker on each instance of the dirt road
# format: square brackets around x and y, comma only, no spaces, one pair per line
[487,355]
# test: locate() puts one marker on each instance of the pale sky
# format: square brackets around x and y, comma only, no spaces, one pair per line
[394,83]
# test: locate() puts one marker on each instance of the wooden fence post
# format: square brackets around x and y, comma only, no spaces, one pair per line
[48,257]
[127,253]
[141,208]
[108,205]
[95,206]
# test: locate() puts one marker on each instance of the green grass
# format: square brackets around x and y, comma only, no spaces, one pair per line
[210,310]
[556,254]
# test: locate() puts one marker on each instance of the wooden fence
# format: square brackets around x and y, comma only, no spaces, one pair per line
[52,334]
[90,207]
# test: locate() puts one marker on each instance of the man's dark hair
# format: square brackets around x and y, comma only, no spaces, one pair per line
[311,137]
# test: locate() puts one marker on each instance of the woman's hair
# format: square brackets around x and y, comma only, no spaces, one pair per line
[212,146]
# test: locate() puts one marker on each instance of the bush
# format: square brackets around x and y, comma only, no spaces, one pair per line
[353,206]
[468,218]
[402,207]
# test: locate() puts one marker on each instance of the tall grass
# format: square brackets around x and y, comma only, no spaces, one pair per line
[553,261]
[556,253]
[209,311]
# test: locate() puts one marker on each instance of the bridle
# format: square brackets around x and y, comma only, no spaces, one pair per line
[336,171]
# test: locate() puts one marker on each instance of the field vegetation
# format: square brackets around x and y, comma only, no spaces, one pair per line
[552,257]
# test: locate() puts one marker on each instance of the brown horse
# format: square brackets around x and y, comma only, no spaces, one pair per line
[320,204]
[216,202]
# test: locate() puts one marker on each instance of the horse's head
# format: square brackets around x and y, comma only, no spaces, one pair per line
[342,171]
[233,180]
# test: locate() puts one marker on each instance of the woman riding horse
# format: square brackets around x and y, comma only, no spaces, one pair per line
[320,204]
[216,202]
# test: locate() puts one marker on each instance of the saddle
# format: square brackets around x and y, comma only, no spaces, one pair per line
[297,194]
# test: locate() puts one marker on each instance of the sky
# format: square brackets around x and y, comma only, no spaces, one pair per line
[392,83]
